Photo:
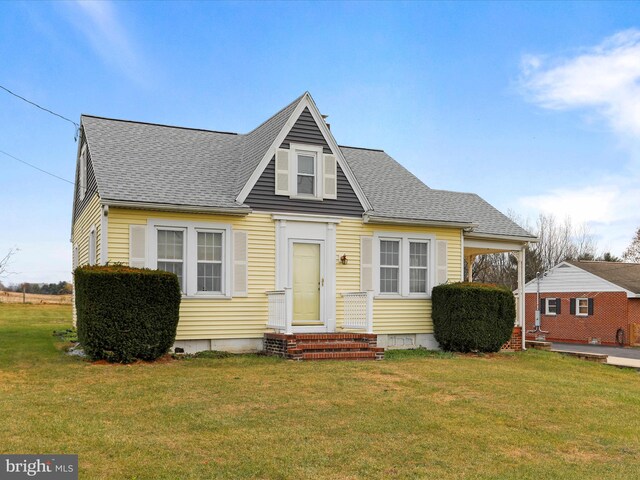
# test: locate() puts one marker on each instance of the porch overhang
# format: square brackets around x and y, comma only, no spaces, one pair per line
[475,244]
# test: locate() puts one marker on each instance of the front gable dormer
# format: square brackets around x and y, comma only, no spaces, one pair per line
[302,167]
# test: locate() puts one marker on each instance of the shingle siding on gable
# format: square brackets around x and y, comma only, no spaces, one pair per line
[92,186]
[305,130]
[262,197]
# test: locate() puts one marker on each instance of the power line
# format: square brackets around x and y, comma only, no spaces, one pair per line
[37,168]
[42,108]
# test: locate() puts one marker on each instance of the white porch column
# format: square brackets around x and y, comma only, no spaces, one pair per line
[470,260]
[521,294]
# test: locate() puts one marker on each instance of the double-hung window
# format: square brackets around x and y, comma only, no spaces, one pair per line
[197,252]
[306,173]
[171,252]
[418,266]
[551,306]
[582,307]
[210,261]
[389,266]
[404,265]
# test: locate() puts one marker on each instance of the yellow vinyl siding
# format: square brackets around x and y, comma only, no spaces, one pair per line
[90,216]
[240,317]
[246,317]
[402,315]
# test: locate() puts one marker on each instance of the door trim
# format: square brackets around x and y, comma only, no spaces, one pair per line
[313,231]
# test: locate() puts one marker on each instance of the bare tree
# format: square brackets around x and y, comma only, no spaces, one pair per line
[632,253]
[5,261]
[558,241]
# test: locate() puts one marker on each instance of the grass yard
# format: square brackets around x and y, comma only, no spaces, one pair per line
[531,415]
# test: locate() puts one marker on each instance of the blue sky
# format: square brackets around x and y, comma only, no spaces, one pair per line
[534,106]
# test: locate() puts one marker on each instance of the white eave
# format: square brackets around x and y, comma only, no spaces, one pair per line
[240,211]
[508,238]
[372,218]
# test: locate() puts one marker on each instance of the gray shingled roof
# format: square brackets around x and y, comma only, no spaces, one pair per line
[172,165]
[394,192]
[259,140]
[141,162]
[625,275]
[157,164]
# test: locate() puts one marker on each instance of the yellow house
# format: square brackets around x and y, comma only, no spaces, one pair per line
[279,232]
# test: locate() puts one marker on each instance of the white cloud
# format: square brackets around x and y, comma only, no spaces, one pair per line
[605,78]
[609,209]
[100,23]
[601,81]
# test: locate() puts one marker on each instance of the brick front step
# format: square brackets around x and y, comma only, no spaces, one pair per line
[334,346]
[324,346]
[339,355]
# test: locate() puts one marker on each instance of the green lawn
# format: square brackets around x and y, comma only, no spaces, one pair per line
[531,415]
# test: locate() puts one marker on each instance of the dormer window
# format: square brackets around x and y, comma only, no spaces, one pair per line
[305,172]
[306,184]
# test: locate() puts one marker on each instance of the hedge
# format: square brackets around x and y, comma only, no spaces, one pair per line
[472,317]
[124,313]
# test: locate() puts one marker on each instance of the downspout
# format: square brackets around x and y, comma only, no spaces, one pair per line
[522,298]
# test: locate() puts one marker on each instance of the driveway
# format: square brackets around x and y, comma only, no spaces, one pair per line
[633,353]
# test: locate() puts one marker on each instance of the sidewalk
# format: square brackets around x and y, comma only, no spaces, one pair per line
[623,362]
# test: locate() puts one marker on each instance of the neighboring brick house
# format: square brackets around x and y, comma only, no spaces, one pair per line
[586,302]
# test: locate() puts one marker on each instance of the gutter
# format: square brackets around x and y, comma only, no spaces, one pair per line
[369,218]
[240,211]
[501,237]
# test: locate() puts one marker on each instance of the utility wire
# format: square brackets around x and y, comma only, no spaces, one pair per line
[37,168]
[43,108]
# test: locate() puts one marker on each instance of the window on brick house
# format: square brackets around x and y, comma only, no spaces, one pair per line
[551,306]
[582,307]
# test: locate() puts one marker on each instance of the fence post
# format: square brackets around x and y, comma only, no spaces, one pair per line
[369,311]
[288,310]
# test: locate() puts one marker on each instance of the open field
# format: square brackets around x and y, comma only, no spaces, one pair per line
[17,297]
[532,415]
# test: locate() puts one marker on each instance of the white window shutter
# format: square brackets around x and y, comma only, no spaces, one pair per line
[330,177]
[282,171]
[75,256]
[366,263]
[441,262]
[92,245]
[137,245]
[240,264]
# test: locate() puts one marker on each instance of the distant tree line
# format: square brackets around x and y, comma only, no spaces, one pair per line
[60,288]
[558,241]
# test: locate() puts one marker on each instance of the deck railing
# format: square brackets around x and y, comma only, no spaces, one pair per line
[280,310]
[358,311]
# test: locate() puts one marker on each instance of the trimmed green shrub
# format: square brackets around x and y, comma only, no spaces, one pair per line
[472,317]
[124,313]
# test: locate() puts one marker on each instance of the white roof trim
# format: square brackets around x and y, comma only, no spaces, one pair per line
[495,236]
[372,218]
[305,101]
[164,207]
